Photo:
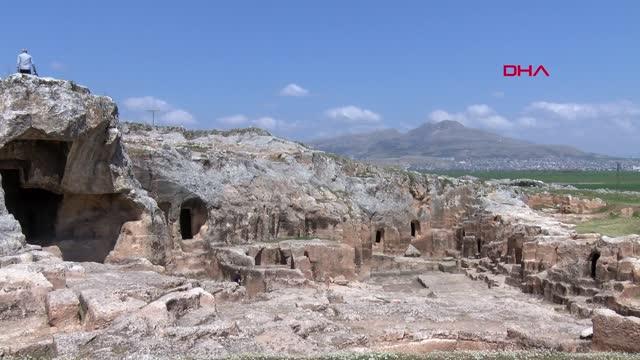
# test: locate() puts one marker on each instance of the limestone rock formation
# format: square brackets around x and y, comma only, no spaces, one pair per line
[125,240]
[65,176]
[565,203]
[223,189]
[612,331]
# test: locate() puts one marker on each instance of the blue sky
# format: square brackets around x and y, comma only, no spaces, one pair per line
[307,69]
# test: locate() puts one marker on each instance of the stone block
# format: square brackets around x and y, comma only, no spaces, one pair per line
[99,308]
[63,308]
[613,332]
[23,292]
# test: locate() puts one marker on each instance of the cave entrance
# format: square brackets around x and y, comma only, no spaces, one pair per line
[379,236]
[35,209]
[518,255]
[193,215]
[185,224]
[85,227]
[594,263]
[415,228]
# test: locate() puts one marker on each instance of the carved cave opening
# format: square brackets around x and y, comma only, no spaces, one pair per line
[271,256]
[593,259]
[193,215]
[185,224]
[379,236]
[519,255]
[415,228]
[85,227]
[35,209]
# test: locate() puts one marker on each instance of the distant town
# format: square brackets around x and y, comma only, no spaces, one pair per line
[526,164]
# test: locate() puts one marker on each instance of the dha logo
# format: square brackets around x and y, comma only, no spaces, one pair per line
[518,70]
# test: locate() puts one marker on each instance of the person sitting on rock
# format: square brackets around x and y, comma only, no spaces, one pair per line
[25,63]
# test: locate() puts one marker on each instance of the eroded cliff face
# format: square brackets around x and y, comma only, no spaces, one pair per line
[68,182]
[236,188]
[66,179]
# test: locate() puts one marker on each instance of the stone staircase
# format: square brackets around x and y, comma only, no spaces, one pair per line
[194,261]
[579,298]
[484,270]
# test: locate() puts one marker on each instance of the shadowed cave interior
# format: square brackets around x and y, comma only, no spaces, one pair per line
[84,226]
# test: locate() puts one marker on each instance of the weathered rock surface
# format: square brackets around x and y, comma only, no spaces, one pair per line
[256,188]
[63,308]
[565,203]
[66,177]
[134,241]
[23,293]
[412,252]
[615,332]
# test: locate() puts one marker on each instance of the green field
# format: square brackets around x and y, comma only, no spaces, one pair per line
[610,226]
[625,180]
[586,182]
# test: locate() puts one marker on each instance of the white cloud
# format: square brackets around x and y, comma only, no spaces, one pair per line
[477,115]
[624,115]
[57,66]
[440,115]
[547,115]
[575,111]
[496,122]
[177,117]
[167,114]
[294,90]
[527,122]
[264,122]
[145,103]
[480,110]
[353,114]
[234,120]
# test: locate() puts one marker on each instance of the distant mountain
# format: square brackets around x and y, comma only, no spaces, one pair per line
[445,139]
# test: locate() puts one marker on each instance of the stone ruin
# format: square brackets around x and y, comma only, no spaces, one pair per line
[130,232]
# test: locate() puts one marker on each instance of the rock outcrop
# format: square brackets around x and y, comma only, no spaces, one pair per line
[612,331]
[566,204]
[66,177]
[129,240]
[222,189]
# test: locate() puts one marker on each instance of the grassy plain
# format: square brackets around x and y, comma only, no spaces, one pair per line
[622,191]
[588,180]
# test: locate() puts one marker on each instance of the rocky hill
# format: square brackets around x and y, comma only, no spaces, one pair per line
[130,241]
[257,187]
[445,139]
